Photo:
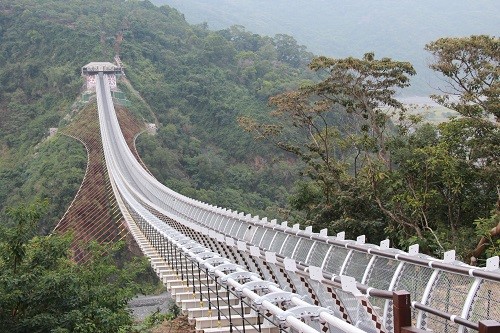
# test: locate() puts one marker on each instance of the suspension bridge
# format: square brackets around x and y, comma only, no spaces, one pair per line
[232,272]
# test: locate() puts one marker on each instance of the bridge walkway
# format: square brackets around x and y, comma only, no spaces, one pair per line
[231,266]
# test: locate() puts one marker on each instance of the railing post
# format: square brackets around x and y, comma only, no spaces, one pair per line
[489,326]
[218,304]
[180,263]
[192,274]
[402,310]
[209,292]
[229,309]
[242,313]
[201,290]
[259,324]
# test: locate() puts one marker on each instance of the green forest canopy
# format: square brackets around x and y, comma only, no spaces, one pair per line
[198,83]
[336,28]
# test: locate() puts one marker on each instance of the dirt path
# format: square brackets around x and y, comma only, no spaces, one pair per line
[178,325]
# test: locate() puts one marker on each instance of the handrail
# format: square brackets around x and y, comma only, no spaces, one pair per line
[124,191]
[136,185]
[445,315]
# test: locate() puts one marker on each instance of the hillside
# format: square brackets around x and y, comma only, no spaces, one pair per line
[195,84]
[396,29]
[195,81]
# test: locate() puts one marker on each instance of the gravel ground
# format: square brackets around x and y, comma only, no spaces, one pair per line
[142,305]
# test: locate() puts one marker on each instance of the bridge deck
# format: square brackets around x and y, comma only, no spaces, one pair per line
[303,281]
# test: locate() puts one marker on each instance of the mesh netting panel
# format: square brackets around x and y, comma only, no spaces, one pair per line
[209,221]
[217,223]
[299,286]
[326,299]
[251,263]
[356,265]
[302,250]
[227,225]
[278,242]
[213,246]
[360,318]
[486,302]
[234,230]
[258,236]
[241,231]
[284,284]
[264,269]
[267,239]
[448,294]
[381,273]
[289,246]
[212,221]
[335,260]
[240,259]
[380,277]
[413,279]
[318,253]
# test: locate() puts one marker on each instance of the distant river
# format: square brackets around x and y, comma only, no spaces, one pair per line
[418,100]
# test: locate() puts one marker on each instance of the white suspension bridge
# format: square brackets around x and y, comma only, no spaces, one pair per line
[233,272]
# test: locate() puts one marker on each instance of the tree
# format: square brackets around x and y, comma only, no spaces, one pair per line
[43,290]
[290,52]
[471,67]
[431,190]
[365,88]
[336,127]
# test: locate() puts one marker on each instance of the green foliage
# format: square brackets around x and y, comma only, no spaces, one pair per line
[43,290]
[484,227]
[192,82]
[337,127]
[19,235]
[54,170]
[157,318]
[414,182]
[470,67]
[40,55]
[338,28]
[199,150]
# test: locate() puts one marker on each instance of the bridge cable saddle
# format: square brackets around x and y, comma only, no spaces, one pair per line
[256,286]
[302,312]
[277,298]
[239,276]
[207,255]
[226,267]
[215,261]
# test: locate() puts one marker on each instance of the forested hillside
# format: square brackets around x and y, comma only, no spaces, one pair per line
[397,29]
[337,158]
[196,82]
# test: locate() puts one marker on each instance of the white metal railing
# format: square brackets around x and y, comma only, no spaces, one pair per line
[115,148]
[475,291]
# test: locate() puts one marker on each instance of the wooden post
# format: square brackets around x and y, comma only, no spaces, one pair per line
[489,326]
[402,310]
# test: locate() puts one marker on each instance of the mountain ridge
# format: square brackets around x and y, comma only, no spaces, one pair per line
[396,29]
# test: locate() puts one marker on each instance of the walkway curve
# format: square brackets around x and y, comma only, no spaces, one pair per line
[304,282]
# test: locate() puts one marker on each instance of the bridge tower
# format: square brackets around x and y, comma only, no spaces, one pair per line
[90,71]
[94,215]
